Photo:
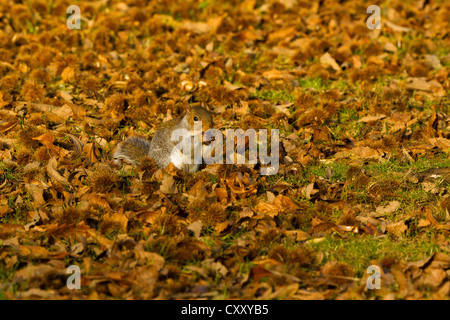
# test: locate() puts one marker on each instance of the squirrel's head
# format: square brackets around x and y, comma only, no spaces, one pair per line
[199,114]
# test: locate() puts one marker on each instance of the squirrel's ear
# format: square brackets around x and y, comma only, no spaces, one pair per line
[188,109]
[186,115]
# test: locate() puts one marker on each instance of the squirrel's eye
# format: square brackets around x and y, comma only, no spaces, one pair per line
[195,118]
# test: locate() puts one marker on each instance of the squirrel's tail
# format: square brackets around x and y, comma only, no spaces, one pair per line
[132,150]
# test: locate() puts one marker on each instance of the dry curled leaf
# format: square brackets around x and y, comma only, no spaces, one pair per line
[53,173]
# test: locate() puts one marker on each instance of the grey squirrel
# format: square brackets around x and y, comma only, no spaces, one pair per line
[160,148]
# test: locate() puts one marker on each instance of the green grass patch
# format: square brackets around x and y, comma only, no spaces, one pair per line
[312,83]
[359,251]
[420,165]
[274,96]
[316,169]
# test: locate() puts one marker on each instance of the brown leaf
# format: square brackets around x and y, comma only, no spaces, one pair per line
[270,196]
[246,213]
[371,118]
[51,170]
[68,97]
[91,151]
[144,280]
[359,153]
[387,209]
[151,258]
[196,27]
[221,227]
[172,170]
[285,34]
[397,228]
[8,126]
[257,273]
[35,293]
[217,267]
[241,185]
[221,195]
[390,47]
[284,108]
[297,235]
[396,28]
[196,228]
[243,109]
[117,218]
[441,143]
[268,209]
[68,74]
[47,140]
[328,60]
[433,61]
[168,185]
[79,145]
[429,272]
[433,221]
[322,227]
[38,275]
[310,191]
[34,252]
[424,85]
[285,204]
[432,124]
[198,189]
[273,74]
[285,292]
[36,189]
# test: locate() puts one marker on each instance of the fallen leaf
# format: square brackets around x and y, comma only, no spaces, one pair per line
[285,292]
[424,85]
[117,218]
[268,209]
[433,61]
[387,209]
[328,60]
[285,204]
[34,252]
[257,273]
[397,228]
[310,191]
[221,195]
[395,27]
[297,235]
[196,228]
[273,74]
[53,173]
[168,184]
[196,27]
[371,118]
